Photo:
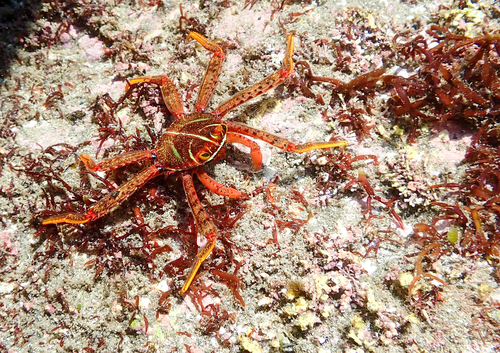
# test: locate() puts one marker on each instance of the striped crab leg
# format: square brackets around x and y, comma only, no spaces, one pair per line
[115,197]
[262,86]
[277,141]
[213,70]
[205,225]
[169,92]
[110,202]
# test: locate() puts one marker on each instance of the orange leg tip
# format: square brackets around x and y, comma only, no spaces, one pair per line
[197,37]
[192,275]
[287,60]
[310,146]
[205,43]
[200,257]
[90,164]
[191,35]
[134,81]
[188,282]
[71,218]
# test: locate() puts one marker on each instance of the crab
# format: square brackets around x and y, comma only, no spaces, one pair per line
[190,142]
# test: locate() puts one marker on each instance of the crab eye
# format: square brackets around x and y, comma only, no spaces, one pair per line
[204,156]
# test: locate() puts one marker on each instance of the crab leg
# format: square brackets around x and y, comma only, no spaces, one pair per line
[116,162]
[169,91]
[262,86]
[215,186]
[205,225]
[280,142]
[254,148]
[212,73]
[110,202]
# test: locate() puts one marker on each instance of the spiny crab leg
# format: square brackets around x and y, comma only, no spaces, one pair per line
[262,86]
[205,225]
[169,91]
[110,202]
[116,162]
[280,142]
[213,70]
[216,187]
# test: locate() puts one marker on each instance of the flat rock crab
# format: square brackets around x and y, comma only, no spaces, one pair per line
[190,142]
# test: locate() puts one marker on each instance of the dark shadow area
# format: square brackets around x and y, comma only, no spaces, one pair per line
[15,20]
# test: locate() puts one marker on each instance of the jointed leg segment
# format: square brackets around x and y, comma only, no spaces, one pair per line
[116,162]
[280,142]
[255,152]
[262,86]
[169,91]
[108,203]
[213,70]
[215,186]
[205,226]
